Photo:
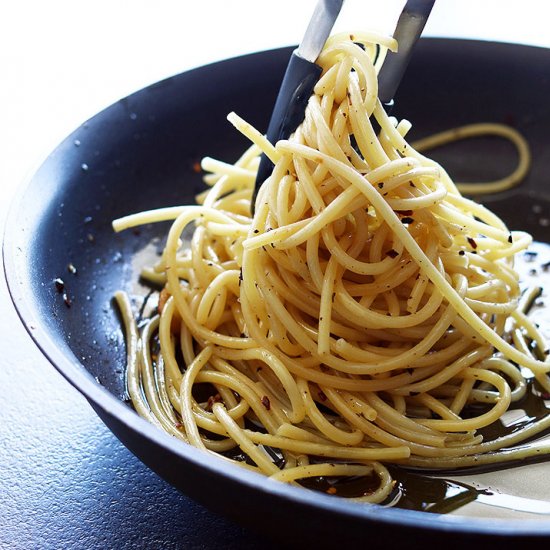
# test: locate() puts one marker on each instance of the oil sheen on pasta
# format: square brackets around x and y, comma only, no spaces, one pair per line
[367,317]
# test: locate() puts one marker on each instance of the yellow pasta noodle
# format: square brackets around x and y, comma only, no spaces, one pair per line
[355,318]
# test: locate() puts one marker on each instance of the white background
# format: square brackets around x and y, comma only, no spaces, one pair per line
[61,61]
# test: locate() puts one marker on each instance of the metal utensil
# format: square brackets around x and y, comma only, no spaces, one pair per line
[300,78]
[407,32]
[302,73]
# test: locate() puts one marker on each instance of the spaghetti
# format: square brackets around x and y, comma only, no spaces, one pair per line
[367,314]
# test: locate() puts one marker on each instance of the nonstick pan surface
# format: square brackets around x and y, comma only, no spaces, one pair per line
[142,153]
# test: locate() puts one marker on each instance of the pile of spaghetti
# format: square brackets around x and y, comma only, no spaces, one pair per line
[366,314]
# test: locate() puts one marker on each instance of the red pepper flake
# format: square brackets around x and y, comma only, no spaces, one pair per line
[472,243]
[211,400]
[392,253]
[381,185]
[332,490]
[197,167]
[404,212]
[265,402]
[163,298]
[322,395]
[407,220]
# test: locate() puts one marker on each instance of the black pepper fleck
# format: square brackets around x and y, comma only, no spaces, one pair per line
[59,285]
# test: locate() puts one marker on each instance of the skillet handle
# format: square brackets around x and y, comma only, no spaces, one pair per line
[298,83]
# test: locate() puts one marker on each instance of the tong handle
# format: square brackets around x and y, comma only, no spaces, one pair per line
[298,83]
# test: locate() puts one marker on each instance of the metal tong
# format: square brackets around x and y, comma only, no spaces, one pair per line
[302,73]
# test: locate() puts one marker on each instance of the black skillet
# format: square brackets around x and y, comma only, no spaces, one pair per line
[142,153]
